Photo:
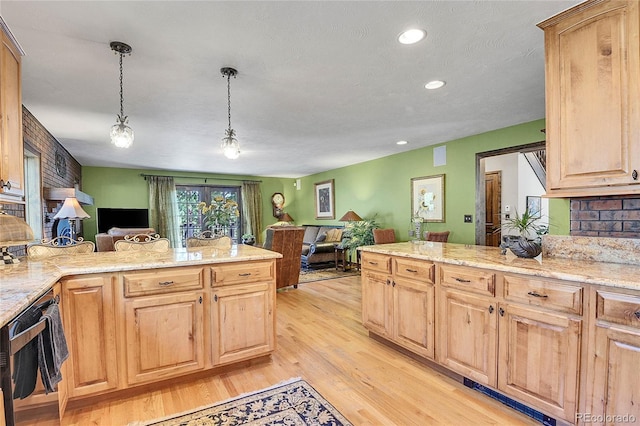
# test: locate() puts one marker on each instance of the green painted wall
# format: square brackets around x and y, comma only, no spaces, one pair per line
[379,188]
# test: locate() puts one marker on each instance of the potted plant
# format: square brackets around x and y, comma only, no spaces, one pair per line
[528,241]
[358,233]
[248,239]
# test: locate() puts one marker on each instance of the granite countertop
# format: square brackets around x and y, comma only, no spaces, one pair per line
[21,284]
[580,270]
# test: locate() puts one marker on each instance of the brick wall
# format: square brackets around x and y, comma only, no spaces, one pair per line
[39,141]
[614,216]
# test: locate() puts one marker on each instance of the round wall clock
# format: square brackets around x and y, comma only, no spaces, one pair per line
[61,164]
[277,200]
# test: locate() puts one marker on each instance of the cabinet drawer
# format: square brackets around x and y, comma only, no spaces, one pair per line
[162,281]
[376,262]
[414,269]
[468,279]
[238,273]
[545,293]
[618,308]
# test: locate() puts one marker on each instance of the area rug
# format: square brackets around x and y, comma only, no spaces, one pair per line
[293,402]
[325,274]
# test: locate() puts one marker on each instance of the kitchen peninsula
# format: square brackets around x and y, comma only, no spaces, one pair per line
[557,334]
[138,318]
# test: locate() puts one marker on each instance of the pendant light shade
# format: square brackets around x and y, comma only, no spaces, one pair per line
[230,145]
[121,134]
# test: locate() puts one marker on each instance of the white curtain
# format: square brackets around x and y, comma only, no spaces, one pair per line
[163,206]
[252,209]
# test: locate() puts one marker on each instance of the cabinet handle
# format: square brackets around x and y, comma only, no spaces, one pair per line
[388,281]
[246,274]
[6,184]
[372,263]
[461,280]
[634,175]
[393,283]
[637,314]
[215,297]
[501,311]
[411,270]
[490,309]
[200,300]
[165,283]
[536,294]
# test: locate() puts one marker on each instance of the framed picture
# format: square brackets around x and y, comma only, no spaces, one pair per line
[427,198]
[325,201]
[534,205]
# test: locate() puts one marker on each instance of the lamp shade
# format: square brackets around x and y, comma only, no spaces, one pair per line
[350,216]
[71,210]
[285,217]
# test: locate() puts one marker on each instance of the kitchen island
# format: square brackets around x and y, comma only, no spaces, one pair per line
[135,318]
[559,335]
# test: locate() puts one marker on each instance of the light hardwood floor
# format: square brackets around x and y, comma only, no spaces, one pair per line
[321,339]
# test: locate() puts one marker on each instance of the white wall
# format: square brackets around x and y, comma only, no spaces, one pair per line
[508,164]
[529,185]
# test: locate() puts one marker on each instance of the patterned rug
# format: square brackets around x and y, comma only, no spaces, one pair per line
[294,403]
[325,274]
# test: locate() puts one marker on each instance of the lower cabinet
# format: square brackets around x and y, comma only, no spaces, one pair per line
[242,322]
[90,326]
[613,382]
[164,336]
[398,301]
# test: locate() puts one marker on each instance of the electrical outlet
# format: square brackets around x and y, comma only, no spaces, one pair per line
[468,218]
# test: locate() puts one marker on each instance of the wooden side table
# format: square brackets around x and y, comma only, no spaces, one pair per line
[340,257]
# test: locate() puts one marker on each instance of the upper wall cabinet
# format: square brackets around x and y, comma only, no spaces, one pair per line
[593,99]
[11,144]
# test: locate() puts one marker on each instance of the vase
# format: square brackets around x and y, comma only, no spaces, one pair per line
[520,246]
[249,241]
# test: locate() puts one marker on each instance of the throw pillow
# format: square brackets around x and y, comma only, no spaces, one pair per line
[321,237]
[334,235]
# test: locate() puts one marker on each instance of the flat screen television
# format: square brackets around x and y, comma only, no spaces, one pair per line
[122,218]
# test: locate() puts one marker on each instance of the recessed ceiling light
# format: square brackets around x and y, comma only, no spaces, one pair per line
[402,143]
[412,36]
[435,84]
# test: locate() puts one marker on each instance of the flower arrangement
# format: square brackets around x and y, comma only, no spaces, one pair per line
[222,212]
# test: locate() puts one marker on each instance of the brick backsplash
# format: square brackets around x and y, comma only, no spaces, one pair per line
[614,216]
[38,140]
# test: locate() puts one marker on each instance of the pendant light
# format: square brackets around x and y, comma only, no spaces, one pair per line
[230,145]
[121,134]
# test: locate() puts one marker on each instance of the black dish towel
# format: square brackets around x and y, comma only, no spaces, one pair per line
[25,361]
[52,348]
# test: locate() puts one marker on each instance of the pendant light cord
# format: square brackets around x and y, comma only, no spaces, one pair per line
[229,98]
[121,91]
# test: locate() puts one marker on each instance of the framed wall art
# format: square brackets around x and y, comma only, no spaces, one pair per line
[325,201]
[534,205]
[427,198]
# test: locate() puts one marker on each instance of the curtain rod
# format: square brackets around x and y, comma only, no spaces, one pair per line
[145,176]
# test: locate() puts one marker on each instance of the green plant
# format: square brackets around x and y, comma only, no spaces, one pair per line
[221,212]
[248,236]
[359,233]
[525,225]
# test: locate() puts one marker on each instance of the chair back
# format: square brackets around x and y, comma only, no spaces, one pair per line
[143,242]
[384,236]
[440,237]
[208,239]
[59,246]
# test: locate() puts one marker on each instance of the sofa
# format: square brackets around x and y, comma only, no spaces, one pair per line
[319,243]
[105,240]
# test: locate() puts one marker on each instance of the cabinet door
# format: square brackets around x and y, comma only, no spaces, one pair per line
[539,359]
[89,323]
[11,145]
[593,107]
[467,326]
[376,303]
[164,336]
[614,380]
[243,322]
[413,316]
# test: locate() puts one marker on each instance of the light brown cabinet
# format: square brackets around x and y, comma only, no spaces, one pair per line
[593,99]
[163,323]
[613,358]
[399,301]
[90,327]
[11,143]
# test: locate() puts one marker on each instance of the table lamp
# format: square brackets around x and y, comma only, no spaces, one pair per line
[350,216]
[14,231]
[72,211]
[284,219]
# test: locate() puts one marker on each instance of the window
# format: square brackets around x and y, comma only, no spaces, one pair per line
[32,193]
[190,218]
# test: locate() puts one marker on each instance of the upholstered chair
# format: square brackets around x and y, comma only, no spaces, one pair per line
[59,246]
[207,239]
[441,237]
[384,236]
[143,242]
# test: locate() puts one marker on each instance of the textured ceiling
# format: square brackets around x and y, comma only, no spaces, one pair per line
[321,84]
